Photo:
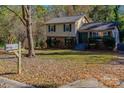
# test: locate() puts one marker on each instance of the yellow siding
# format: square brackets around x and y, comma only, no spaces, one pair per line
[60,29]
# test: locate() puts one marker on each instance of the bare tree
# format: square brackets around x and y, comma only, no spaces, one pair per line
[27,22]
[26,12]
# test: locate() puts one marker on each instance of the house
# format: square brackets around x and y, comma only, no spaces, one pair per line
[68,32]
[64,30]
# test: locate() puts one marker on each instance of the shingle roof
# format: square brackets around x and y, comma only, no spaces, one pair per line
[64,19]
[99,26]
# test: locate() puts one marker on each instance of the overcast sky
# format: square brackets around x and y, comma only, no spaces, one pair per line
[122,9]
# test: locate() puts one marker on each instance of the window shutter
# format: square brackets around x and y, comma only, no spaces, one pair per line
[54,28]
[70,27]
[64,27]
[48,28]
[65,41]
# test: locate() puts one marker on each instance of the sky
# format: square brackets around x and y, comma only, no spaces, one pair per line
[121,10]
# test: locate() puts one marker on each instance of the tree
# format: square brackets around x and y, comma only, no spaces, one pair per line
[70,10]
[102,13]
[116,11]
[7,22]
[26,13]
[27,22]
[39,18]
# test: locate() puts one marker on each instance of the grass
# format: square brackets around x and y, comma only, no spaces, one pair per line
[53,68]
[77,56]
[1,46]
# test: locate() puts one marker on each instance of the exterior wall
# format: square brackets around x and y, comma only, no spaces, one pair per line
[60,31]
[78,24]
[100,33]
[60,28]
[61,42]
[60,34]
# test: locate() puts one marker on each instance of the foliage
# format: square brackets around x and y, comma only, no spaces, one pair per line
[94,39]
[9,23]
[109,42]
[122,36]
[102,13]
[54,68]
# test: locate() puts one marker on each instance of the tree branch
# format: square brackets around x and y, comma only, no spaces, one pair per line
[16,15]
[23,13]
[26,10]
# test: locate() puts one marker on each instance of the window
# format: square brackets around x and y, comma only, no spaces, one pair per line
[67,27]
[69,42]
[51,28]
[95,34]
[105,33]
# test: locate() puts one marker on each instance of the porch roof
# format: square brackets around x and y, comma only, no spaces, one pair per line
[98,26]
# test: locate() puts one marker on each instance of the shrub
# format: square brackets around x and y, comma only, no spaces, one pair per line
[2,43]
[42,44]
[109,42]
[48,41]
[121,36]
[53,43]
[94,39]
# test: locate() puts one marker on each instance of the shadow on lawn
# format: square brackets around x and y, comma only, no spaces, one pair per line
[7,57]
[8,73]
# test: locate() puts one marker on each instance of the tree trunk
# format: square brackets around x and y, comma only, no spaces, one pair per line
[27,22]
[70,10]
[31,52]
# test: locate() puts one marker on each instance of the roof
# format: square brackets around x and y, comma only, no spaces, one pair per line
[99,26]
[69,19]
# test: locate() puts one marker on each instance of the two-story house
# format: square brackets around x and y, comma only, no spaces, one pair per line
[67,32]
[62,32]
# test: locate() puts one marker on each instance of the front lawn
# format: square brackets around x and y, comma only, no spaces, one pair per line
[53,68]
[77,56]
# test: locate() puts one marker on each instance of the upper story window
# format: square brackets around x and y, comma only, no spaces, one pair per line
[51,28]
[67,27]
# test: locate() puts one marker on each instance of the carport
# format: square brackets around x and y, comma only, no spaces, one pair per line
[99,29]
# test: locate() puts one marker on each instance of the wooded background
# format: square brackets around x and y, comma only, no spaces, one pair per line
[21,23]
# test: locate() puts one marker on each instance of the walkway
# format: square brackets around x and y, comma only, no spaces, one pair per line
[7,83]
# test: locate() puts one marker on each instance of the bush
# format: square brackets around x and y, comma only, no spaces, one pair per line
[2,43]
[48,41]
[120,47]
[53,43]
[42,44]
[109,42]
[121,36]
[94,39]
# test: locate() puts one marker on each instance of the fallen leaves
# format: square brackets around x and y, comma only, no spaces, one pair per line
[54,72]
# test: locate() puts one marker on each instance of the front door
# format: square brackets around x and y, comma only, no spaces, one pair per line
[82,37]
